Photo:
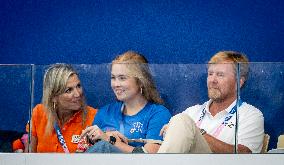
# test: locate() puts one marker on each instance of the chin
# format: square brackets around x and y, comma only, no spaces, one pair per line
[120,99]
[216,98]
[76,107]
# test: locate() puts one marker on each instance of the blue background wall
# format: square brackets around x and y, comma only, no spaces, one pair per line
[177,31]
[180,31]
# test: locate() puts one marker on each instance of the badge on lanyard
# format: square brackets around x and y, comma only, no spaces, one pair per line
[75,139]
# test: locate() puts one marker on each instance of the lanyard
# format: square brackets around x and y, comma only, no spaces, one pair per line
[223,124]
[60,138]
[121,125]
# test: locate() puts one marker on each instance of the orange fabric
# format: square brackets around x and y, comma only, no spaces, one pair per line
[17,144]
[72,127]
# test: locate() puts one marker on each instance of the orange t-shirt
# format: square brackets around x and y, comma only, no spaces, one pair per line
[70,130]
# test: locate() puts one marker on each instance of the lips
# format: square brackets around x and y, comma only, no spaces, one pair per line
[118,91]
[214,87]
[76,101]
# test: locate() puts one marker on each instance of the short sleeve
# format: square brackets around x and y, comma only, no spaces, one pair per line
[251,130]
[36,118]
[157,121]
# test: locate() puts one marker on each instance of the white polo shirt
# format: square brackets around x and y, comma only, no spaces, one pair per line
[250,128]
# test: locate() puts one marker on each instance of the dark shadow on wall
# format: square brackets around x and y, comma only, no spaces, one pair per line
[6,139]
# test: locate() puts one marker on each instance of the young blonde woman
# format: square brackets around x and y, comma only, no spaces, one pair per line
[137,113]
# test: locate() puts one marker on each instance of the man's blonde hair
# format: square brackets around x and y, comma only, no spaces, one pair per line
[236,58]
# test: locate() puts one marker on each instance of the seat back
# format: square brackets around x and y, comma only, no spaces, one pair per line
[265,143]
[280,143]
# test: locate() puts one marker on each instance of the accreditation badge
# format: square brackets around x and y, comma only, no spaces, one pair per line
[75,139]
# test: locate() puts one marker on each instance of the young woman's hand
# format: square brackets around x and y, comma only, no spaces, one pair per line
[94,133]
[119,136]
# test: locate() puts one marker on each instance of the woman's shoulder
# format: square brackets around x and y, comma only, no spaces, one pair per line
[38,109]
[91,110]
[111,106]
[158,108]
[39,113]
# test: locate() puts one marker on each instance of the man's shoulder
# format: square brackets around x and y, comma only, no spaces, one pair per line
[195,108]
[249,110]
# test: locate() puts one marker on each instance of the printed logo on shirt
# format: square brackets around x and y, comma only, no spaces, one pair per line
[75,139]
[137,127]
[230,125]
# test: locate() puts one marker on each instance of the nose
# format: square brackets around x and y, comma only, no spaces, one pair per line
[114,83]
[212,78]
[77,92]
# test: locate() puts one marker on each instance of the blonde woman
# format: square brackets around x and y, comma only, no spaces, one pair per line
[58,122]
[137,113]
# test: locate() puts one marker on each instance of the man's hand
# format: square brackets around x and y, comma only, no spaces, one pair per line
[164,130]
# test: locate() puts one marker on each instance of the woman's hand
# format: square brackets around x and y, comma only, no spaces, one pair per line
[94,133]
[119,136]
[164,130]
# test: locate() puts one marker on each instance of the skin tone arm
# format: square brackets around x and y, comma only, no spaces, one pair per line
[33,145]
[218,146]
[122,144]
[95,133]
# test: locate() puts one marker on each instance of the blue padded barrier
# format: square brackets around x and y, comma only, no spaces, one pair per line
[180,85]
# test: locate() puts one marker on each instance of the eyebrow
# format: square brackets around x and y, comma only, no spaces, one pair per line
[74,85]
[119,75]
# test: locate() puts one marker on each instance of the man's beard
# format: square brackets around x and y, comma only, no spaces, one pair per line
[215,94]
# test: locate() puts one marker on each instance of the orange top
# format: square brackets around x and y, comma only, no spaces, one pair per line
[70,130]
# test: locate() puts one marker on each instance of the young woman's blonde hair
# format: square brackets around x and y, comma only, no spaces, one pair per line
[54,84]
[139,69]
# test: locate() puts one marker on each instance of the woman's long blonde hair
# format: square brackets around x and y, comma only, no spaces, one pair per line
[139,69]
[54,84]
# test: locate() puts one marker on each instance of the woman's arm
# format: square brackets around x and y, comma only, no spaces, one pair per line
[32,145]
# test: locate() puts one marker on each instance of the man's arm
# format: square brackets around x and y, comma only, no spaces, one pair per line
[217,146]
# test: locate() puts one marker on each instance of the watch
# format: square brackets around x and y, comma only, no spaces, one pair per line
[202,131]
[112,140]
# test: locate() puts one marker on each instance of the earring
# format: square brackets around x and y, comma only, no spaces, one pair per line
[141,90]
[54,105]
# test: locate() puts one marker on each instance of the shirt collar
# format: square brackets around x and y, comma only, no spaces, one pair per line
[228,109]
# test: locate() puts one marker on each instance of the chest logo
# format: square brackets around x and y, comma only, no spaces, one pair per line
[75,139]
[137,127]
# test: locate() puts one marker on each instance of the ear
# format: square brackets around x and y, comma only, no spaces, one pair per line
[242,81]
[54,99]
